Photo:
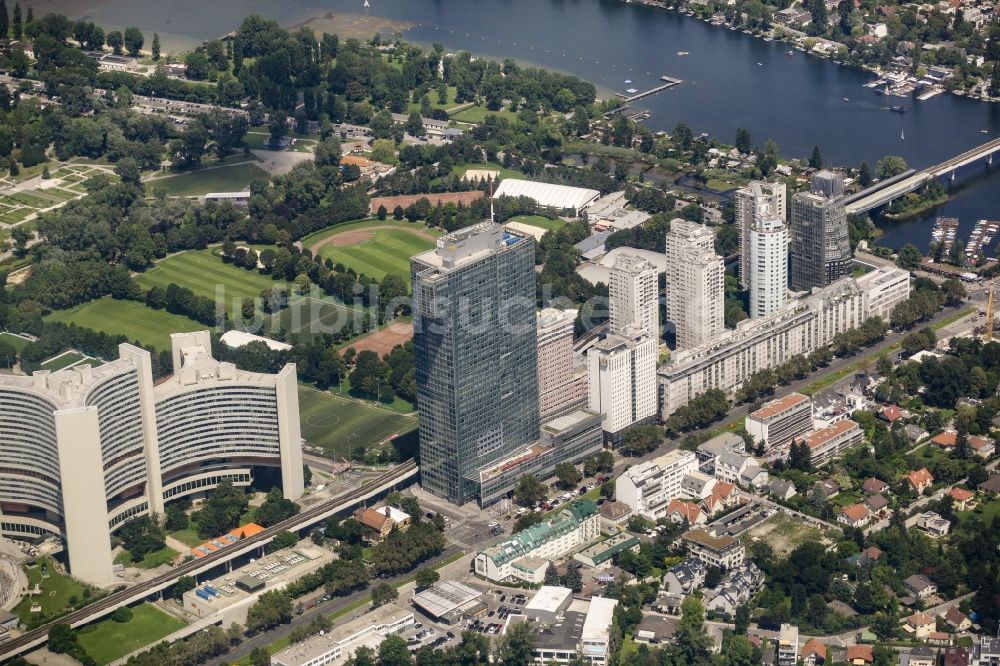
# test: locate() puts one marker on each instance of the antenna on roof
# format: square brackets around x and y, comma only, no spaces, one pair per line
[493,217]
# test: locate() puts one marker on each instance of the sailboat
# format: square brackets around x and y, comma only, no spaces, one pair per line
[902,136]
[366,4]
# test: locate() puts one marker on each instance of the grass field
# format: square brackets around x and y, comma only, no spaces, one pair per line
[204,273]
[461,169]
[387,252]
[107,641]
[477,114]
[784,533]
[315,237]
[133,320]
[232,178]
[15,341]
[63,360]
[311,317]
[56,590]
[540,221]
[152,560]
[989,512]
[339,425]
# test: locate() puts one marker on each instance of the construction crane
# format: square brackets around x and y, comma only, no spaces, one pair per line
[988,335]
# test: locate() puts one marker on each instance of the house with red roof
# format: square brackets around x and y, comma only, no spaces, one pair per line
[919,625]
[961,498]
[855,515]
[891,414]
[680,511]
[813,653]
[920,479]
[860,655]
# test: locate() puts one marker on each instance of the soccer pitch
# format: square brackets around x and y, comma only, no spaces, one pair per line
[340,425]
[309,317]
[208,276]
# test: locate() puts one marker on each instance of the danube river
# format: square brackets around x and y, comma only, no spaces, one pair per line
[731,80]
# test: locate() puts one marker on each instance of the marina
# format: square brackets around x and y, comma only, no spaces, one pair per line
[980,239]
[670,83]
[943,234]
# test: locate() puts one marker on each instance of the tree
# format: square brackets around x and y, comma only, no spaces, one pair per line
[382,213]
[692,644]
[272,608]
[277,127]
[799,457]
[155,49]
[183,584]
[198,66]
[122,614]
[17,29]
[744,143]
[427,577]
[259,656]
[8,353]
[4,20]
[995,80]
[742,620]
[889,166]
[275,509]
[638,440]
[910,257]
[864,175]
[816,159]
[516,647]
[116,40]
[738,651]
[568,475]
[140,536]
[133,40]
[382,594]
[529,490]
[61,637]
[415,124]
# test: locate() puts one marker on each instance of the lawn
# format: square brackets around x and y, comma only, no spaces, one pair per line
[388,251]
[15,341]
[208,276]
[539,221]
[988,511]
[477,114]
[232,178]
[133,320]
[338,424]
[433,95]
[189,536]
[152,560]
[56,590]
[460,170]
[312,316]
[63,360]
[310,241]
[107,640]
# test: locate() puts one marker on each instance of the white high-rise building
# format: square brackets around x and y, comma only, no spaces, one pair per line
[750,201]
[622,381]
[562,386]
[768,250]
[634,297]
[696,282]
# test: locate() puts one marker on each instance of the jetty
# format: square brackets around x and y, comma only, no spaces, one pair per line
[670,83]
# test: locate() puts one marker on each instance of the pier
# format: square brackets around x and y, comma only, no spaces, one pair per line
[670,83]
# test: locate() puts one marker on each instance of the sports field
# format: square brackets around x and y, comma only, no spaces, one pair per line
[340,425]
[208,276]
[310,316]
[133,320]
[233,178]
[107,641]
[540,221]
[376,253]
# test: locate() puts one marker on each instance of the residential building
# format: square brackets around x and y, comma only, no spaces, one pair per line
[582,629]
[622,382]
[821,245]
[697,486]
[379,522]
[956,619]
[873,486]
[476,355]
[572,437]
[634,297]
[573,527]
[833,440]
[735,589]
[920,479]
[600,554]
[680,512]
[919,586]
[860,655]
[782,489]
[713,448]
[813,653]
[647,488]
[957,656]
[562,386]
[988,651]
[725,552]
[768,266]
[614,515]
[918,656]
[336,646]
[695,282]
[740,468]
[685,578]
[931,522]
[724,496]
[89,447]
[758,200]
[884,287]
[855,515]
[653,629]
[788,645]
[548,604]
[919,625]
[876,503]
[724,362]
[960,498]
[781,420]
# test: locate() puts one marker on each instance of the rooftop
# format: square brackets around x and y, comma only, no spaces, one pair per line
[706,539]
[444,597]
[775,407]
[549,599]
[599,617]
[546,194]
[821,437]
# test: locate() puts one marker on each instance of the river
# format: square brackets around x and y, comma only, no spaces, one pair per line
[731,80]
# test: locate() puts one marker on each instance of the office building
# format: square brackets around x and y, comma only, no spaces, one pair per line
[695,283]
[833,440]
[476,355]
[757,200]
[821,244]
[562,385]
[884,288]
[524,554]
[781,420]
[648,487]
[622,382]
[802,326]
[788,645]
[768,251]
[634,297]
[87,448]
[339,644]
[569,628]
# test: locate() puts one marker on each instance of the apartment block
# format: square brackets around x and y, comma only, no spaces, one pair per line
[725,552]
[562,386]
[833,440]
[622,381]
[695,281]
[780,421]
[648,487]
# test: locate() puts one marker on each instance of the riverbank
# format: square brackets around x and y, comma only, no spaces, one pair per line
[351,26]
[917,209]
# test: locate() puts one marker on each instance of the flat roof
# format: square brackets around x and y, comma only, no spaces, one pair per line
[775,407]
[704,538]
[236,339]
[549,598]
[444,597]
[821,437]
[599,617]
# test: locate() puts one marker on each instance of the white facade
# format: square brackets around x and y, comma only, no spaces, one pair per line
[751,200]
[87,448]
[634,297]
[884,288]
[561,386]
[596,638]
[768,277]
[327,650]
[548,195]
[730,358]
[622,381]
[696,282]
[648,487]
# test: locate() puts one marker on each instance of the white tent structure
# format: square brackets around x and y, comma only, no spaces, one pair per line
[547,195]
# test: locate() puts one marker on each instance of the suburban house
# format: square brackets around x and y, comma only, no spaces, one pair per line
[918,656]
[980,445]
[379,522]
[930,522]
[919,625]
[813,653]
[921,480]
[854,515]
[782,489]
[874,486]
[734,590]
[680,511]
[697,486]
[614,515]
[956,619]
[920,586]
[891,414]
[876,504]
[960,498]
[860,655]
[724,496]
[685,578]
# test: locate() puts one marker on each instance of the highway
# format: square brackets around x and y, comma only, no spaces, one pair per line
[895,188]
[108,604]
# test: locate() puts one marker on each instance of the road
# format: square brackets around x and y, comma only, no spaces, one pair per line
[326,608]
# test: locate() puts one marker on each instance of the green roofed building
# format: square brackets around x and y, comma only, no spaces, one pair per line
[572,528]
[600,554]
